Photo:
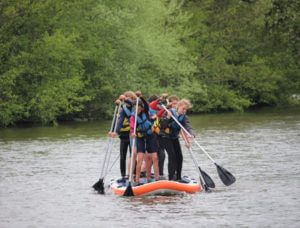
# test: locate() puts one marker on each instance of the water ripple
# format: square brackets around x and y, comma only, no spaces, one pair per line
[46,182]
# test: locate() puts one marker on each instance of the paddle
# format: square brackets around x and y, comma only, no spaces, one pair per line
[99,185]
[226,177]
[110,151]
[129,191]
[205,179]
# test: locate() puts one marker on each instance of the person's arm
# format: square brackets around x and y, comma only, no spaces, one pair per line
[128,101]
[146,105]
[186,124]
[153,105]
[160,113]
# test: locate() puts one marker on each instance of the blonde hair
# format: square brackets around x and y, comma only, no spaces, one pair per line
[173,98]
[185,102]
[130,94]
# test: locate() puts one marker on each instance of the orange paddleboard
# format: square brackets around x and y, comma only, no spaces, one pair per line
[161,187]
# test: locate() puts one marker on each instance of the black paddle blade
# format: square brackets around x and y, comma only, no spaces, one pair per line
[204,186]
[207,179]
[128,191]
[226,177]
[99,186]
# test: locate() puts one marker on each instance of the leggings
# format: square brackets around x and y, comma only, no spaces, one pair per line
[124,144]
[175,159]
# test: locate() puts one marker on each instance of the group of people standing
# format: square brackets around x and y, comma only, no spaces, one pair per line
[156,132]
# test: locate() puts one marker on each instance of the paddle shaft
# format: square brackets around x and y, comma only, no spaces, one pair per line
[226,177]
[112,165]
[108,144]
[183,128]
[133,141]
[111,141]
[202,180]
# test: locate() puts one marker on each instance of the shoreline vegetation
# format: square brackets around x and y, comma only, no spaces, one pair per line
[250,110]
[66,60]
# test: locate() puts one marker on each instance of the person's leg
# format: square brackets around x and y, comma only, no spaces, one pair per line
[129,158]
[161,157]
[178,158]
[140,157]
[168,146]
[148,166]
[153,148]
[154,159]
[123,152]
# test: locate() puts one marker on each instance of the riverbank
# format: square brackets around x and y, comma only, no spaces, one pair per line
[29,124]
[99,128]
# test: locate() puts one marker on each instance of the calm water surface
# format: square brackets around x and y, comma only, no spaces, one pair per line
[46,174]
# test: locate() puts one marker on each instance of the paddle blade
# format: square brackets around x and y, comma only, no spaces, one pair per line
[207,179]
[204,186]
[226,177]
[128,191]
[99,186]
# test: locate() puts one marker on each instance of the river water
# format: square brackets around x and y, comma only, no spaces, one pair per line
[46,174]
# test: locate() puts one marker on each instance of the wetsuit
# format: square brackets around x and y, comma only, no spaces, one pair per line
[123,130]
[170,142]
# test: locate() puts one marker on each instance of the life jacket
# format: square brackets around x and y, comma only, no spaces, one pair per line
[152,112]
[125,125]
[180,118]
[174,127]
[143,126]
[156,126]
[155,122]
[127,110]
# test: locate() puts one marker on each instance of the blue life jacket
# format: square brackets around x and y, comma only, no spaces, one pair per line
[127,111]
[152,112]
[180,118]
[143,125]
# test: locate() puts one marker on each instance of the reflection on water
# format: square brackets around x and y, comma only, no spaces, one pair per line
[46,176]
[153,200]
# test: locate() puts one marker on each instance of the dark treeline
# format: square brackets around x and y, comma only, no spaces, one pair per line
[67,59]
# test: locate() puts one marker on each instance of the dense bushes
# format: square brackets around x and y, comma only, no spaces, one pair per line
[70,59]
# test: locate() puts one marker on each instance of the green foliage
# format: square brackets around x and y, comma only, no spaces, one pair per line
[240,54]
[64,59]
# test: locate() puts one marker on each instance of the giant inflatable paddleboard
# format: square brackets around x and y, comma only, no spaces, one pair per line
[161,187]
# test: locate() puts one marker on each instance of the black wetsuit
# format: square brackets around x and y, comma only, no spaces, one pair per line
[170,142]
[123,129]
